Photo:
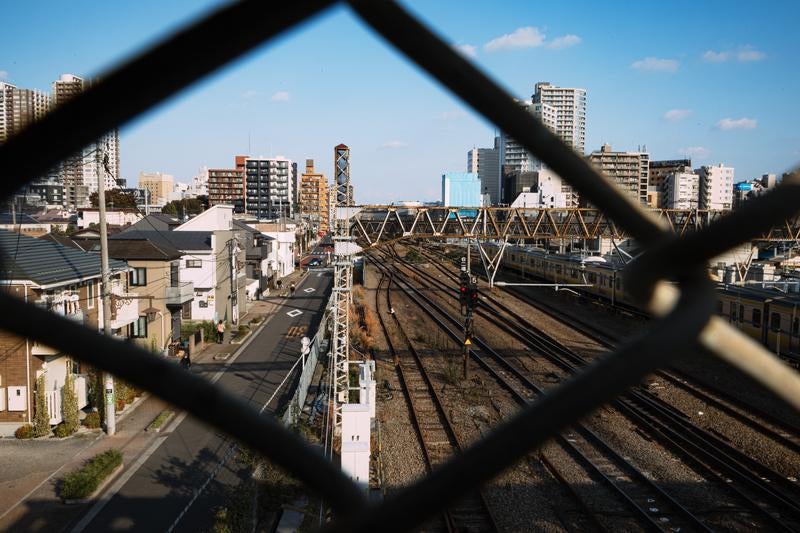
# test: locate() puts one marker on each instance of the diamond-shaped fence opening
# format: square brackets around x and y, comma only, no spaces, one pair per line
[686,308]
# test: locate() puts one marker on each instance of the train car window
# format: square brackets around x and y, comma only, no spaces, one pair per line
[720,311]
[756,319]
[775,321]
[558,269]
[796,326]
[733,312]
[741,313]
[617,283]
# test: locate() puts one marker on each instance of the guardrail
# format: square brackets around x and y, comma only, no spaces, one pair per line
[686,309]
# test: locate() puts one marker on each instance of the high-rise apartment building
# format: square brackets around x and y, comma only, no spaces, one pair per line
[566,108]
[659,170]
[716,187]
[79,172]
[313,203]
[485,162]
[226,187]
[630,171]
[19,108]
[268,184]
[158,185]
[681,190]
[341,175]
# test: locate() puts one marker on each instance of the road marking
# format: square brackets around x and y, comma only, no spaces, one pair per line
[295,313]
[296,331]
[309,290]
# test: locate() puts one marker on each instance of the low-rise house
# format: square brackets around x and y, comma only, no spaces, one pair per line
[282,255]
[65,281]
[117,217]
[163,300]
[24,224]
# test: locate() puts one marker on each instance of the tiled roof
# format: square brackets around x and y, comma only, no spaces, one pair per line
[46,262]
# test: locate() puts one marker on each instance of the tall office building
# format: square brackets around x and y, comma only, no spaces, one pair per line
[341,175]
[313,203]
[6,110]
[158,185]
[716,187]
[485,162]
[461,189]
[268,192]
[628,170]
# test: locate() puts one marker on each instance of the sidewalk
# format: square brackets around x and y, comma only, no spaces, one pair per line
[30,470]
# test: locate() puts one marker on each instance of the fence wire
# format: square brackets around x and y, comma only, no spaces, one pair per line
[686,309]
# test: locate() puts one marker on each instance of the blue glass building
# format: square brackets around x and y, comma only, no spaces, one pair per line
[461,189]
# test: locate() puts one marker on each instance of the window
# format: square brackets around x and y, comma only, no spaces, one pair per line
[733,312]
[186,311]
[741,313]
[194,263]
[138,329]
[203,304]
[756,317]
[137,277]
[90,295]
[775,321]
[796,326]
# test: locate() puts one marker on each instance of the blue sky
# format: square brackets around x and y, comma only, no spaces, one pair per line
[717,80]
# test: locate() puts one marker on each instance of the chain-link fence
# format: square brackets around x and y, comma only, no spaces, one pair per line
[686,308]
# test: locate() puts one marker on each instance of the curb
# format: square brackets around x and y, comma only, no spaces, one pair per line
[99,489]
[163,425]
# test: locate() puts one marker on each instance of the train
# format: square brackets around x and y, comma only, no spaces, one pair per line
[767,315]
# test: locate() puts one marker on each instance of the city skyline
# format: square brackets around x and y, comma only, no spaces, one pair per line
[722,96]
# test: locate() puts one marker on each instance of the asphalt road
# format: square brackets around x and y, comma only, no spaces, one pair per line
[162,492]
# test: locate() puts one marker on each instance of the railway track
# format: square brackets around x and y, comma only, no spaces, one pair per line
[763,491]
[648,506]
[438,440]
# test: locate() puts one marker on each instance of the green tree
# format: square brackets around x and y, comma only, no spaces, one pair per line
[69,407]
[179,208]
[41,417]
[115,198]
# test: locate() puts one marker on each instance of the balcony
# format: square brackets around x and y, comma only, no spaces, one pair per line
[180,294]
[124,308]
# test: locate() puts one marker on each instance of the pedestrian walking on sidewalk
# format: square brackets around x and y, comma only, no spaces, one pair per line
[220,331]
[291,289]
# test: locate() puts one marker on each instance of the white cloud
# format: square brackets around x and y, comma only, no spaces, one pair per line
[469,50]
[748,53]
[527,37]
[737,124]
[565,41]
[716,57]
[695,152]
[249,94]
[393,145]
[655,64]
[3,74]
[674,115]
[280,96]
[452,115]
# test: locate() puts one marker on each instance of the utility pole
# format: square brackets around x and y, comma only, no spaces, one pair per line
[105,291]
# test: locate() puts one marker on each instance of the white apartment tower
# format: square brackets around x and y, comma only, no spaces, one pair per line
[716,187]
[485,162]
[681,190]
[567,107]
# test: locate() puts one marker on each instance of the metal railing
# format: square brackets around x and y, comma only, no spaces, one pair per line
[686,309]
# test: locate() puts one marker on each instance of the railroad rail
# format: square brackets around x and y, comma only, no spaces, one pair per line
[432,425]
[761,489]
[649,504]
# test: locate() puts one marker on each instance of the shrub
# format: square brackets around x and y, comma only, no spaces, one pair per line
[242,331]
[25,431]
[70,406]
[92,420]
[62,431]
[41,418]
[84,481]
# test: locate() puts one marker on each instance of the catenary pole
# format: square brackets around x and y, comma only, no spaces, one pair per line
[108,380]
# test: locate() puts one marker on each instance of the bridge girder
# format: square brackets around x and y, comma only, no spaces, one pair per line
[374,225]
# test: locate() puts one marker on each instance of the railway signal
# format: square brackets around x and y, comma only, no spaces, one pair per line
[463,291]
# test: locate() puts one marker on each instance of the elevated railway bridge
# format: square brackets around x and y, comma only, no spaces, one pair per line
[372,225]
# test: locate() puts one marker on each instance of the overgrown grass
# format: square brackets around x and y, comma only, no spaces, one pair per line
[82,482]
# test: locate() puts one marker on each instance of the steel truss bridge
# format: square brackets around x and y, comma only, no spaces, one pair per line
[375,224]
